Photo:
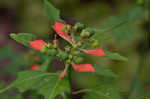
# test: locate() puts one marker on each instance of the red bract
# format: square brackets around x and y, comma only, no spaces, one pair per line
[37,44]
[95,52]
[62,75]
[83,67]
[35,66]
[58,28]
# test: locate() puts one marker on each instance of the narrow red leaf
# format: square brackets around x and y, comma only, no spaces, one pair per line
[37,44]
[62,75]
[35,66]
[83,67]
[95,52]
[58,28]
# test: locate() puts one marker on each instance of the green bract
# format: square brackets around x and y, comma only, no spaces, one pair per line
[91,31]
[64,29]
[63,55]
[95,43]
[44,49]
[79,27]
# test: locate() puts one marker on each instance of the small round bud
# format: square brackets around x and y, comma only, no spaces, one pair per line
[69,27]
[51,52]
[56,42]
[67,48]
[83,34]
[78,60]
[70,56]
[87,32]
[49,45]
[91,31]
[44,49]
[95,44]
[75,52]
[68,61]
[79,44]
[79,27]
[63,55]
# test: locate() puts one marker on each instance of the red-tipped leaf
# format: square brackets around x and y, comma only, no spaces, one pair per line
[58,26]
[83,67]
[95,52]
[37,44]
[35,66]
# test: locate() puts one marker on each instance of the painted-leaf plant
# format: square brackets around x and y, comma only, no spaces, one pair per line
[81,41]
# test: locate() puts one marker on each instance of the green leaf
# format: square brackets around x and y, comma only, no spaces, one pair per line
[6,52]
[45,65]
[1,85]
[51,12]
[48,84]
[23,38]
[102,36]
[104,72]
[103,92]
[19,96]
[115,56]
[145,97]
[55,86]
[122,27]
[118,27]
[135,14]
[27,80]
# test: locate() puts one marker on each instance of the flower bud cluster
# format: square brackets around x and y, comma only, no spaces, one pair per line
[77,35]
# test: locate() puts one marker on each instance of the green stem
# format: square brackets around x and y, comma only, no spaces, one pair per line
[111,28]
[136,78]
[69,78]
[63,96]
[80,91]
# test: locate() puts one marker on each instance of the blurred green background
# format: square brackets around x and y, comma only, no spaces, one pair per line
[131,40]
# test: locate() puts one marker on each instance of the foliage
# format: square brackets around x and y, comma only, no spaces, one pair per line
[81,40]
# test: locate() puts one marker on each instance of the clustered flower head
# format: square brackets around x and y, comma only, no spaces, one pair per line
[80,39]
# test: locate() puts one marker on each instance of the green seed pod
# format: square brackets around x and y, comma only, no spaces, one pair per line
[64,29]
[68,61]
[79,26]
[78,60]
[49,45]
[84,33]
[68,27]
[91,31]
[73,51]
[44,49]
[95,43]
[63,55]
[51,52]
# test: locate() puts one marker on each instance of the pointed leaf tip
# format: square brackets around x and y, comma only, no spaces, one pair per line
[51,12]
[37,44]
[58,26]
[95,52]
[23,38]
[83,67]
[12,34]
